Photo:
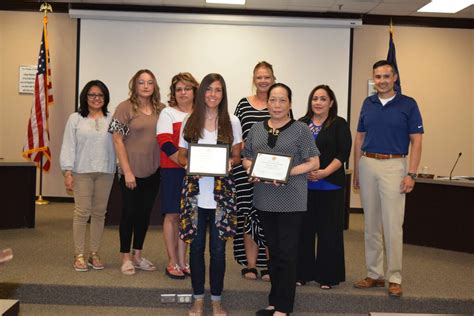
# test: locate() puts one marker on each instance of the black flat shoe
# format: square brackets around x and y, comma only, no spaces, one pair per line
[300,283]
[265,312]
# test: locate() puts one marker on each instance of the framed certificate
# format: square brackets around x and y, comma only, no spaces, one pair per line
[270,166]
[208,160]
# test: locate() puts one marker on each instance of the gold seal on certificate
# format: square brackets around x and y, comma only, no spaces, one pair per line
[271,167]
[208,160]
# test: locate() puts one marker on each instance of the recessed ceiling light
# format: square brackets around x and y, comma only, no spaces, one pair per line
[446,6]
[241,2]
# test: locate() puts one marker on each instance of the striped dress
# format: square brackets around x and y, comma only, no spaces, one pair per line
[247,115]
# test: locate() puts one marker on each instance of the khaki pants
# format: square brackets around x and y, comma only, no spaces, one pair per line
[91,194]
[384,211]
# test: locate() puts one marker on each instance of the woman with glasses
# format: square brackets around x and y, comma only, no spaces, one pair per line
[134,134]
[209,201]
[87,160]
[182,94]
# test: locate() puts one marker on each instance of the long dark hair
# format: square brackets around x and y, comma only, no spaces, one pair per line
[84,106]
[194,126]
[332,115]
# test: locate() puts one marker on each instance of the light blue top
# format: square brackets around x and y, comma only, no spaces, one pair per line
[87,146]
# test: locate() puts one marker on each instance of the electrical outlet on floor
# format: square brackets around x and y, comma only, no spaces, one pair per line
[184,298]
[168,298]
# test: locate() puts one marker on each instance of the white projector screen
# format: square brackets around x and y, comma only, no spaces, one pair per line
[302,57]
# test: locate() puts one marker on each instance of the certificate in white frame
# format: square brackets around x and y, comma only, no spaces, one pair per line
[269,166]
[208,160]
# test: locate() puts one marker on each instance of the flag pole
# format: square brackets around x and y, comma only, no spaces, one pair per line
[45,8]
[40,200]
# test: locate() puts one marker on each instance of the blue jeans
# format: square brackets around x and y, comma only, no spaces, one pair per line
[196,256]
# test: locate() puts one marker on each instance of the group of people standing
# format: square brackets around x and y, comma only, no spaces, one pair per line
[273,224]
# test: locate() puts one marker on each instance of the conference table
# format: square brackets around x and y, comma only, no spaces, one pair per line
[17,194]
[440,214]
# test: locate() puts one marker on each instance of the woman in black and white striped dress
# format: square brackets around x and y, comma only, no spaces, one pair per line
[249,249]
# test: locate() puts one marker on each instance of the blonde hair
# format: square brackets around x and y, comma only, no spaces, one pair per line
[264,64]
[155,97]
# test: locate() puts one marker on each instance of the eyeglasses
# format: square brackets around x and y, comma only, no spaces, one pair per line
[93,96]
[185,89]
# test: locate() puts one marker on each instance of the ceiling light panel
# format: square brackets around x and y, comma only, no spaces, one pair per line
[240,2]
[446,6]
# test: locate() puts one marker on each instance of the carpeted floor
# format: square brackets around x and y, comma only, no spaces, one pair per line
[42,277]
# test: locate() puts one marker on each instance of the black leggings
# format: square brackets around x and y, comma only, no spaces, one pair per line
[137,206]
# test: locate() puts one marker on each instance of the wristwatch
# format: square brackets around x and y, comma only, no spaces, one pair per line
[412,175]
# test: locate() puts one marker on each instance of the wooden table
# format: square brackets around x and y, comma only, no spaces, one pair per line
[440,214]
[17,194]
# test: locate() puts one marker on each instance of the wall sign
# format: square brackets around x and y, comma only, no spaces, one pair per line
[26,79]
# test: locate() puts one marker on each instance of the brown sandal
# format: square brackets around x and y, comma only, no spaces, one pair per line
[198,308]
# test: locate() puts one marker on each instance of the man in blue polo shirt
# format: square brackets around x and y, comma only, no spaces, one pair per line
[389,124]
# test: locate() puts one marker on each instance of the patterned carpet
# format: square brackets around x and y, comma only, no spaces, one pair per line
[42,278]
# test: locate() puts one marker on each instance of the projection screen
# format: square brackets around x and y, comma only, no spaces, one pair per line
[112,50]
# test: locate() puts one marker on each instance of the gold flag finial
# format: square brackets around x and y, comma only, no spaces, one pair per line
[45,8]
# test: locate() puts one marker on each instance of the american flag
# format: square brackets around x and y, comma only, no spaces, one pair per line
[37,143]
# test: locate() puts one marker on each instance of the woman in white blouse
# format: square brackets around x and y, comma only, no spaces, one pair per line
[88,163]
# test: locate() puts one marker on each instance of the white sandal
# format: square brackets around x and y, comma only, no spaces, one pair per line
[127,268]
[144,265]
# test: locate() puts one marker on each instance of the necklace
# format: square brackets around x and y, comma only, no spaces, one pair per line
[211,117]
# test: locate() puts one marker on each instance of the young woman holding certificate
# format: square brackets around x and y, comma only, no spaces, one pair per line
[281,206]
[209,201]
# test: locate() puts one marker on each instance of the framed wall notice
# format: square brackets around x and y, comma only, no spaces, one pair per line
[26,79]
[371,87]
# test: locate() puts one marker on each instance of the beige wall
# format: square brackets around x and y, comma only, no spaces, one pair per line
[20,36]
[2,57]
[436,67]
